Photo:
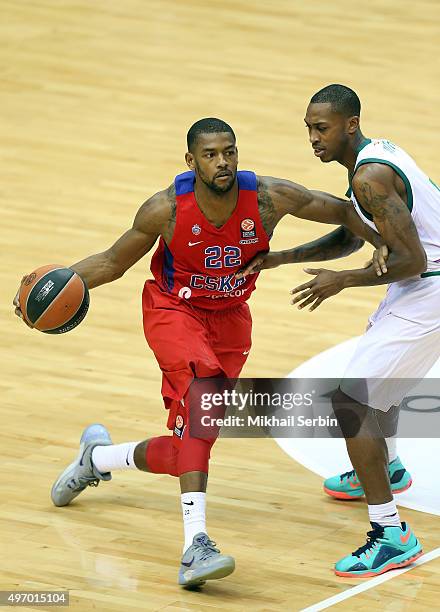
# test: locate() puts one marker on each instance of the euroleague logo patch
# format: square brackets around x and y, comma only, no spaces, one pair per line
[179,426]
[248,232]
[247,225]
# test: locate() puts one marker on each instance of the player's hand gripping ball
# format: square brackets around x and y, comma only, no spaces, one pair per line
[52,299]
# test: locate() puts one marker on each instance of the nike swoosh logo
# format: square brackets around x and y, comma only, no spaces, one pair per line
[188,563]
[354,485]
[404,538]
[189,503]
[126,460]
[246,352]
[194,243]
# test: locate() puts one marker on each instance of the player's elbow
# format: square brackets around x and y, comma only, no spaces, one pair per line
[420,261]
[414,262]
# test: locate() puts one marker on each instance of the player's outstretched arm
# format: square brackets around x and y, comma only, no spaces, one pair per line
[156,216]
[153,218]
[374,187]
[338,243]
[279,197]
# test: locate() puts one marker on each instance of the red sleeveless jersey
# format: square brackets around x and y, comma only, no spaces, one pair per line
[200,262]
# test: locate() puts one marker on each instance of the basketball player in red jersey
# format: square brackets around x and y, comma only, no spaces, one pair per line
[210,222]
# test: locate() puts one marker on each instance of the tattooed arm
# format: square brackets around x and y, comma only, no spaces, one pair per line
[376,187]
[155,217]
[279,197]
[380,192]
[338,243]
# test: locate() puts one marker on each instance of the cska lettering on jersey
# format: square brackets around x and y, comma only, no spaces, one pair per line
[201,260]
[224,284]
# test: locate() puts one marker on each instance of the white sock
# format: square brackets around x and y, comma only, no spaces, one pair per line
[385,514]
[114,457]
[193,510]
[392,448]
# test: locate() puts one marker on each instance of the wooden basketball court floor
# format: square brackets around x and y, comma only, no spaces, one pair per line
[96,99]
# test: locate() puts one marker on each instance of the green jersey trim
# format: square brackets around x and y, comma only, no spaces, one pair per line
[363,144]
[397,170]
[425,274]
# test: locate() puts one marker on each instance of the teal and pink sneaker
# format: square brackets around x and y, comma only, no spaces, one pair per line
[347,486]
[386,548]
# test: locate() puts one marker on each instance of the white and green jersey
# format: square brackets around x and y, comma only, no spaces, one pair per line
[423,195]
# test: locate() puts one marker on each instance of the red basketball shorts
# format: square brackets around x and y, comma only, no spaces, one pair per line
[190,343]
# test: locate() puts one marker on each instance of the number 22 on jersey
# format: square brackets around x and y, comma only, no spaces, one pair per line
[228,257]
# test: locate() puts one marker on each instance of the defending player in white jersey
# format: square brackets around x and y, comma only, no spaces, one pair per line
[402,341]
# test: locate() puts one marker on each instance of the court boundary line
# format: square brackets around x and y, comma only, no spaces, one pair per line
[370,584]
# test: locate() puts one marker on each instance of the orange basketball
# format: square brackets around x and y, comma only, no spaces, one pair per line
[54,299]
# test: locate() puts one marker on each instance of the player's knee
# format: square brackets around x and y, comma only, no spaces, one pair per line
[161,456]
[140,456]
